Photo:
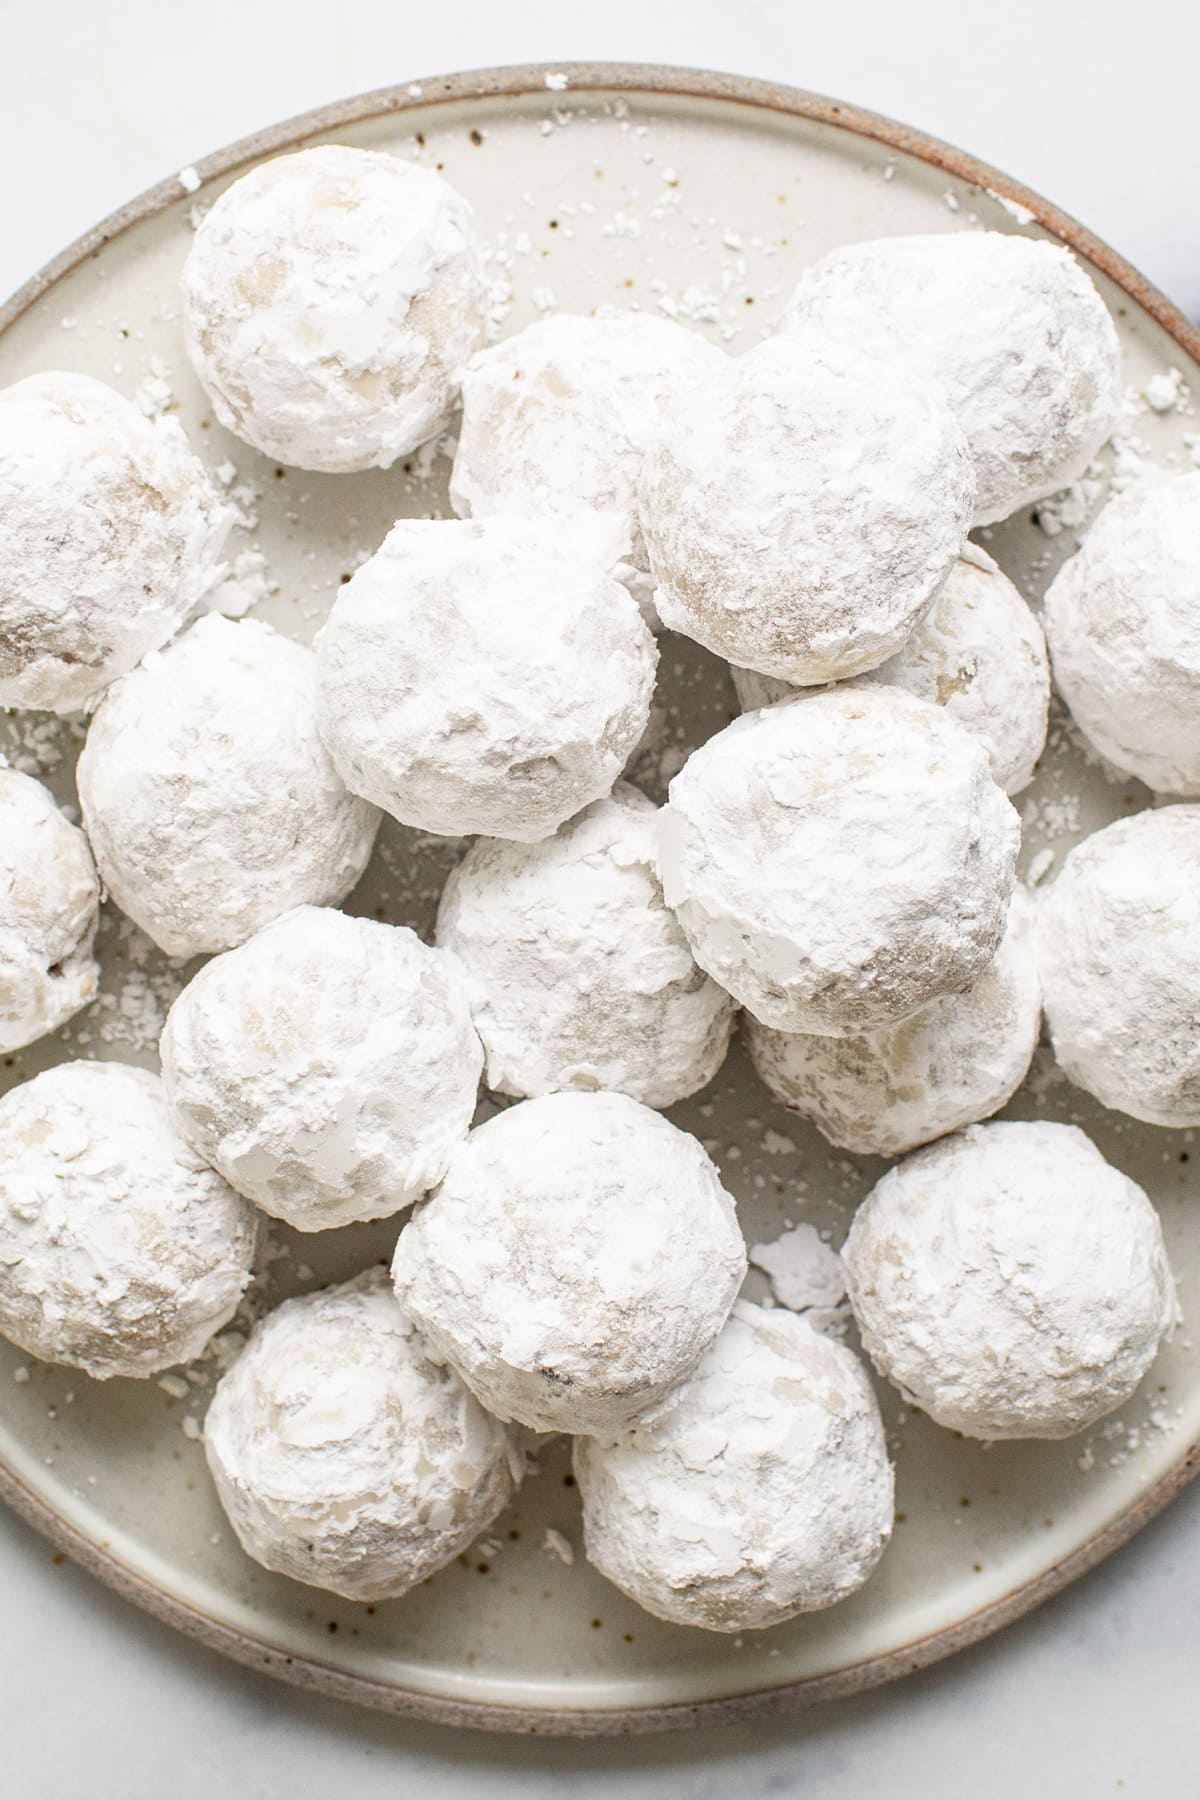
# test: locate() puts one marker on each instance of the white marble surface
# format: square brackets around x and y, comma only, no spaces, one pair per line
[1093,1695]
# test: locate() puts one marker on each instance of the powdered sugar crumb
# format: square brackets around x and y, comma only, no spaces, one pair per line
[1168,392]
[1013,208]
[557,1545]
[1040,867]
[806,1276]
[247,585]
[154,395]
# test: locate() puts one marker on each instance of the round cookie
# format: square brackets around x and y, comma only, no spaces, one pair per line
[979,652]
[839,863]
[557,418]
[959,1059]
[1118,949]
[49,909]
[801,508]
[344,1455]
[576,1262]
[1010,330]
[110,535]
[1123,623]
[760,1491]
[330,299]
[577,972]
[1009,1281]
[210,801]
[485,675]
[121,1253]
[327,1068]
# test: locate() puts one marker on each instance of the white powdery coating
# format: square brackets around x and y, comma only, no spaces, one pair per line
[577,971]
[327,1068]
[957,1060]
[979,652]
[838,863]
[559,417]
[210,801]
[1010,330]
[110,534]
[576,1262]
[806,1275]
[49,909]
[1123,623]
[1010,1282]
[762,1490]
[120,1251]
[486,675]
[801,509]
[1118,946]
[331,298]
[344,1455]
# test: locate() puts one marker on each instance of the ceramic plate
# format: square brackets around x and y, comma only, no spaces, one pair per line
[699,197]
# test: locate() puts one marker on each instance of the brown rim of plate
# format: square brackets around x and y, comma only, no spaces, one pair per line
[319,1677]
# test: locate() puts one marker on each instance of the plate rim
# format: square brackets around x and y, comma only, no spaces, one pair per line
[514,81]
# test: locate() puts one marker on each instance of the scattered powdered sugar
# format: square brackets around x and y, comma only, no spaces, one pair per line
[1013,208]
[1040,866]
[1168,391]
[137,988]
[154,394]
[1117,1440]
[776,1143]
[247,585]
[1131,458]
[807,1277]
[557,1545]
[242,497]
[39,742]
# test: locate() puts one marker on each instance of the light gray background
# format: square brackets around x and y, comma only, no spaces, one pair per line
[1094,106]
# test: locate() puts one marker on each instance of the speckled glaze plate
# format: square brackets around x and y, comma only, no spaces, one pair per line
[700,196]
